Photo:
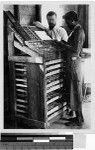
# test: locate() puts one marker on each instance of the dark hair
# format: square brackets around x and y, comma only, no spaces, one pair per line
[71,15]
[51,13]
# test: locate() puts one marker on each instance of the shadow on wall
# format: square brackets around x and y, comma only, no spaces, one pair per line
[29,13]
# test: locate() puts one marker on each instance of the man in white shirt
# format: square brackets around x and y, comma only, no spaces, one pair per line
[55,32]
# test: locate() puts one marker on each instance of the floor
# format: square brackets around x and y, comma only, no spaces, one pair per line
[59,124]
[86,107]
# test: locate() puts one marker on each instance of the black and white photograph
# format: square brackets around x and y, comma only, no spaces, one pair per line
[47,69]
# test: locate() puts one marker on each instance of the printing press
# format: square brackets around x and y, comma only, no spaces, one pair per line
[38,81]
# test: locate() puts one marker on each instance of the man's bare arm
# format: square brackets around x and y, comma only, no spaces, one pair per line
[39,25]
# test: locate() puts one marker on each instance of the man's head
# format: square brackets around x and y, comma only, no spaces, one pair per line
[52,19]
[71,19]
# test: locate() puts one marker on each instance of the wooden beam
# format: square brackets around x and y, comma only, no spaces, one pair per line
[25,59]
